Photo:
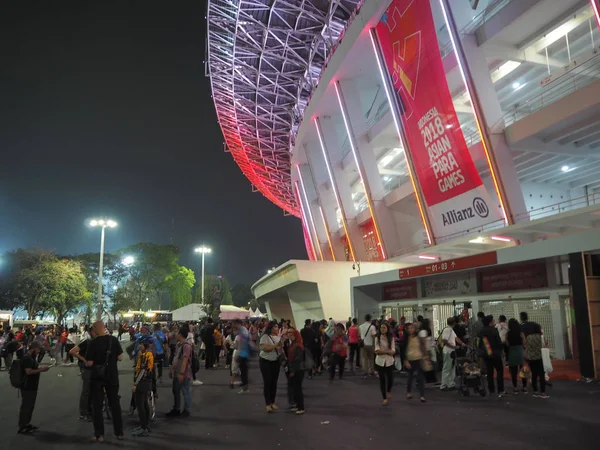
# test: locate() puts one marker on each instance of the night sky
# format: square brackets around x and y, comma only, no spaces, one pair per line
[105,110]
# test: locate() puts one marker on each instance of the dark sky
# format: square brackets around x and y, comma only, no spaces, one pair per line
[105,110]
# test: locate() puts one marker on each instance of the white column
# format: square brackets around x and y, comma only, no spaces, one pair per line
[493,118]
[341,187]
[373,185]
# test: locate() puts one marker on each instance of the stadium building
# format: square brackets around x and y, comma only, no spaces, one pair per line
[443,155]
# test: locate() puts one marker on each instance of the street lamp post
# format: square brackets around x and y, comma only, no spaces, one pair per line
[102,223]
[203,250]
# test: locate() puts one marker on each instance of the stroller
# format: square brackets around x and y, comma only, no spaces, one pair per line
[471,377]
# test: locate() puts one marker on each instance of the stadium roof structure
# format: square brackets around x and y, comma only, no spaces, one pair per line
[264,59]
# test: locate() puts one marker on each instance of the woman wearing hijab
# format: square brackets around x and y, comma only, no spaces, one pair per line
[295,370]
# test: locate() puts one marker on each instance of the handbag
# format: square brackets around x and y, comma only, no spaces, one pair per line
[280,357]
[100,371]
[547,362]
[361,342]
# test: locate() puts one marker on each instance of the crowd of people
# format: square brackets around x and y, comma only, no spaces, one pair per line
[377,348]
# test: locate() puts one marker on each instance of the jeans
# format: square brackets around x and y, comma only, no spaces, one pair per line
[514,372]
[368,359]
[354,354]
[209,362]
[243,363]
[491,364]
[27,407]
[537,371]
[416,367]
[98,389]
[336,360]
[160,359]
[386,379]
[448,375]
[85,404]
[270,373]
[182,388]
[141,402]
[295,389]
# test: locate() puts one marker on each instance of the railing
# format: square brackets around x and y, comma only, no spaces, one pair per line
[528,216]
[578,78]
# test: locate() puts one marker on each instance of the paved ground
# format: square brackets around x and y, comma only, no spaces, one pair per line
[352,408]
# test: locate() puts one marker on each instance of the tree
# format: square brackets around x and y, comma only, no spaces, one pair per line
[147,275]
[241,294]
[68,291]
[180,286]
[217,292]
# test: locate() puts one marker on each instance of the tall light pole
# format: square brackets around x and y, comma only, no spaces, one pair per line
[102,223]
[203,250]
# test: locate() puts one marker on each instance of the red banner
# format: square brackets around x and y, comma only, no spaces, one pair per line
[372,246]
[400,290]
[451,185]
[450,265]
[514,277]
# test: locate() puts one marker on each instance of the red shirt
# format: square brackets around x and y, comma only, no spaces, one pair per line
[353,337]
[339,346]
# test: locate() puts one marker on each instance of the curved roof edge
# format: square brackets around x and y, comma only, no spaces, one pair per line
[265,58]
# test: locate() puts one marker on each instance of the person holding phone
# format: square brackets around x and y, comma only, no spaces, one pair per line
[29,387]
[270,350]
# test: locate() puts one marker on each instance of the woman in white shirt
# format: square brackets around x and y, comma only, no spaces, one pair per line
[384,360]
[270,349]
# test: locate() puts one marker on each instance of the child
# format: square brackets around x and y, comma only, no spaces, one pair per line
[142,384]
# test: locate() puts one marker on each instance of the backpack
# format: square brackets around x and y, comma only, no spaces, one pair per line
[195,362]
[16,375]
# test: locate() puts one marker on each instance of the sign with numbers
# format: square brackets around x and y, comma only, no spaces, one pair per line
[451,265]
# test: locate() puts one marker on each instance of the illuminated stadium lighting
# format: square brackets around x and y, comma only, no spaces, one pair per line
[310,216]
[334,186]
[303,216]
[359,168]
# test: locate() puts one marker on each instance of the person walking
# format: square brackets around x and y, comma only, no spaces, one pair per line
[270,350]
[449,343]
[243,347]
[416,358]
[367,333]
[533,355]
[85,399]
[30,376]
[385,349]
[337,348]
[490,349]
[429,346]
[142,385]
[309,340]
[515,341]
[181,373]
[353,340]
[208,339]
[295,370]
[102,355]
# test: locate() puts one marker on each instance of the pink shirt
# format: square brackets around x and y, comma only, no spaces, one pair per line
[353,335]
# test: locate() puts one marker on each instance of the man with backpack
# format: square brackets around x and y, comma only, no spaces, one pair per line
[25,375]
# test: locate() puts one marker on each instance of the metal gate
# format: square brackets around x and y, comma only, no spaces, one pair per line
[538,311]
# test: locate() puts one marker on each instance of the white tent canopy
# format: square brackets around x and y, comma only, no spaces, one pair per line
[191,312]
[229,312]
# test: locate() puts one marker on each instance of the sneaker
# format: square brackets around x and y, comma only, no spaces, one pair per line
[544,396]
[535,394]
[242,391]
[293,408]
[174,413]
[524,391]
[140,432]
[185,413]
[501,394]
[274,407]
[197,383]
[299,412]
[269,409]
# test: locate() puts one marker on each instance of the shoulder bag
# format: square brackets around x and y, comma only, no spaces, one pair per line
[361,342]
[100,371]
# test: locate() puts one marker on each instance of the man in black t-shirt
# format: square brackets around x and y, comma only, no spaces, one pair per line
[102,356]
[29,387]
[85,401]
